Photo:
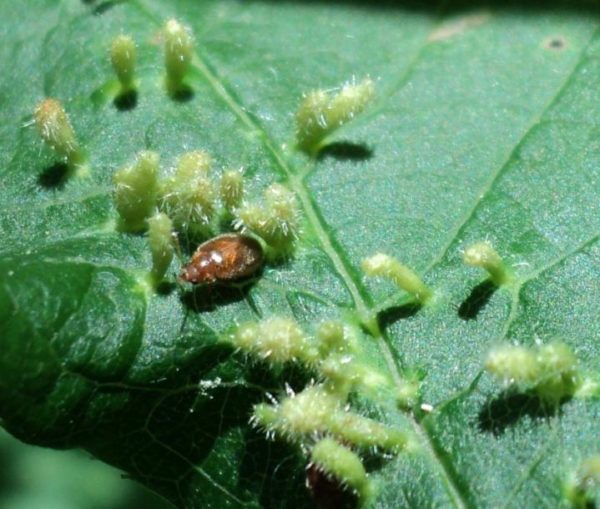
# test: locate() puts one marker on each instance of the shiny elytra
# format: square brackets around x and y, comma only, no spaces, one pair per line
[225,258]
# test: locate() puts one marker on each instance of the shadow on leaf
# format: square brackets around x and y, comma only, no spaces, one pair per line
[477,300]
[391,315]
[55,176]
[346,151]
[204,298]
[126,101]
[183,94]
[505,410]
[274,469]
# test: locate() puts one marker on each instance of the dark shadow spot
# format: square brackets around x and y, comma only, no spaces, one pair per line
[55,176]
[126,101]
[274,470]
[103,7]
[506,409]
[391,315]
[183,94]
[477,300]
[123,227]
[166,288]
[556,43]
[203,298]
[328,492]
[346,151]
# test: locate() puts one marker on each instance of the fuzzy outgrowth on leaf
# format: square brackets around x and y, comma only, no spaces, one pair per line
[55,129]
[276,220]
[382,265]
[343,464]
[122,57]
[549,371]
[579,487]
[178,54]
[317,411]
[188,197]
[136,189]
[160,239]
[277,339]
[483,255]
[321,113]
[231,189]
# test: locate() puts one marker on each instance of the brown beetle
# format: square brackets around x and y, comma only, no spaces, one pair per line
[225,258]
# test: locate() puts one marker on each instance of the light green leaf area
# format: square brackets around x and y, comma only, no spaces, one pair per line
[486,125]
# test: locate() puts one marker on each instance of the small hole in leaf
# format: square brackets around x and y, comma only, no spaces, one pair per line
[477,300]
[54,177]
[346,151]
[126,101]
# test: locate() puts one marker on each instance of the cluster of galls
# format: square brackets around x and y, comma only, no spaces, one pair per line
[178,53]
[319,418]
[192,202]
[549,371]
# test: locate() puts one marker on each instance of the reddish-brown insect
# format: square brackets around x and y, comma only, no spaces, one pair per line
[225,258]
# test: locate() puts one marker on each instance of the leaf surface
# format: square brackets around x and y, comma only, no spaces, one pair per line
[485,126]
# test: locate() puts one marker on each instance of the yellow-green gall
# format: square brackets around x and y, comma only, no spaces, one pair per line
[311,124]
[340,373]
[231,189]
[483,255]
[55,129]
[136,191]
[299,415]
[559,373]
[513,364]
[321,113]
[160,238]
[578,488]
[330,336]
[188,197]
[549,371]
[382,265]
[282,207]
[276,221]
[366,433]
[319,410]
[122,57]
[408,393]
[277,339]
[343,464]
[193,165]
[178,54]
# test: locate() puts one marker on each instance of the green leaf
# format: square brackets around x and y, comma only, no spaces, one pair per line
[485,126]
